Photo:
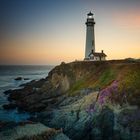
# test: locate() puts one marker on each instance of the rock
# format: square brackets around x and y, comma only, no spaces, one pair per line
[60,136]
[9,106]
[4,125]
[34,83]
[18,78]
[73,118]
[8,92]
[128,120]
[32,132]
[26,79]
[18,94]
[88,100]
[105,125]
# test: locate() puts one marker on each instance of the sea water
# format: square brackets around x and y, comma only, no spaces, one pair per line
[7,81]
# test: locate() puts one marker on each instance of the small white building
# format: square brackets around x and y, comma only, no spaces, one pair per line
[96,56]
[90,53]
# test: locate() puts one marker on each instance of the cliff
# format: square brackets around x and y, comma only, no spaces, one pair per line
[88,100]
[34,131]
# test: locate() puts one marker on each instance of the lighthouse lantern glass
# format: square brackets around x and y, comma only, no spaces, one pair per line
[90,16]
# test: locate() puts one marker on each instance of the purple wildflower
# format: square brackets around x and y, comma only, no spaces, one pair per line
[113,88]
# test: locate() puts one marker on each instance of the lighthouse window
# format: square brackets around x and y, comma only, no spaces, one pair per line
[90,16]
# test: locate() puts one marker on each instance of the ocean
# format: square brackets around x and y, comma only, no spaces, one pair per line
[7,81]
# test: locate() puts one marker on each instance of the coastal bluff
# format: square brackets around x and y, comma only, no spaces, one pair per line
[86,99]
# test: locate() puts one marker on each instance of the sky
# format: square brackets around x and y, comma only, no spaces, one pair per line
[52,31]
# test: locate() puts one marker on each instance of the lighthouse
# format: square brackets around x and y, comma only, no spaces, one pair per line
[90,53]
[90,37]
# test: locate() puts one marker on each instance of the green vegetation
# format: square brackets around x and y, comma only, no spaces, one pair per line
[106,77]
[100,75]
[131,79]
[96,78]
[76,87]
[130,85]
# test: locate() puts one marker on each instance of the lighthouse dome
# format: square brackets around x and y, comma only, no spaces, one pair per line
[90,15]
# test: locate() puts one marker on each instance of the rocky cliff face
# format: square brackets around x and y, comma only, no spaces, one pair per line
[88,100]
[36,131]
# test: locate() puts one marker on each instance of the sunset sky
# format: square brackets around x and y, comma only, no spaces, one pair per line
[52,31]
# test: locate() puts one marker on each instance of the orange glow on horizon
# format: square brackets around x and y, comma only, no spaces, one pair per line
[119,39]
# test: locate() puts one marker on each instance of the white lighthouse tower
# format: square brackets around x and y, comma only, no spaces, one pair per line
[90,37]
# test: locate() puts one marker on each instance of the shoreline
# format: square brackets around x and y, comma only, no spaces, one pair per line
[82,97]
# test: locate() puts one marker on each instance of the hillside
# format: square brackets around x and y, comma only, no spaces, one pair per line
[88,100]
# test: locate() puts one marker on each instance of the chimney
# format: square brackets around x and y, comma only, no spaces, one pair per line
[102,51]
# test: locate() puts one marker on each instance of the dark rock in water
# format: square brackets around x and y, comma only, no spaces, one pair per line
[26,78]
[18,78]
[34,83]
[8,91]
[19,94]
[21,78]
[9,106]
[7,125]
[28,84]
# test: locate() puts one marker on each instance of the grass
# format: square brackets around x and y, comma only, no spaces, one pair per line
[130,85]
[76,87]
[100,75]
[131,80]
[106,77]
[97,78]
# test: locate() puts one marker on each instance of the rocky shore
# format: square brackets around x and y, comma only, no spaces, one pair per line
[85,100]
[36,131]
